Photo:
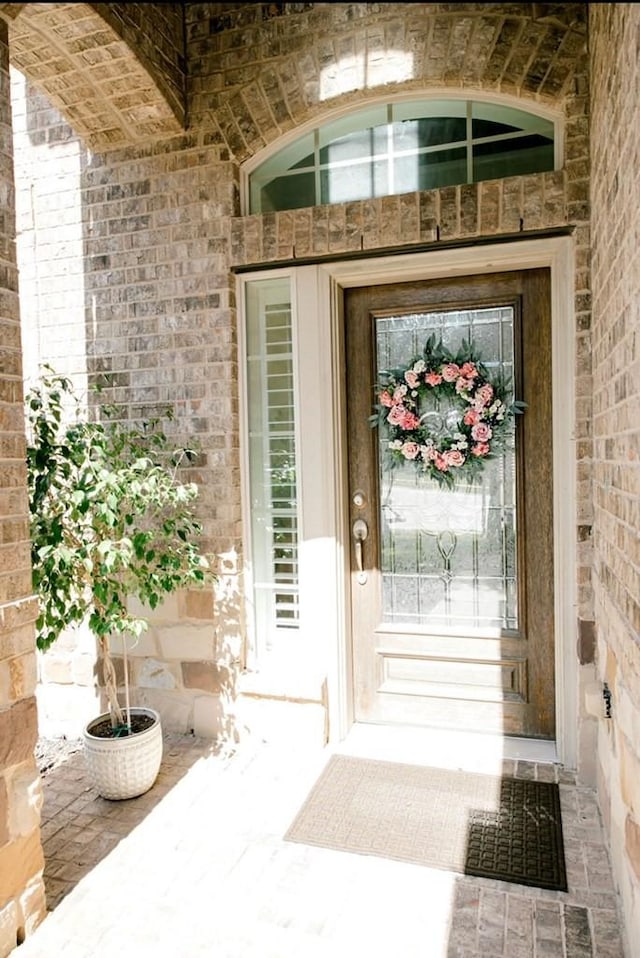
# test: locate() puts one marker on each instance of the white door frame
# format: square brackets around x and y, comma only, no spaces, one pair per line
[556,253]
[324,546]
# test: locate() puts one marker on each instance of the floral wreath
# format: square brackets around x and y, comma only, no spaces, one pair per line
[458,441]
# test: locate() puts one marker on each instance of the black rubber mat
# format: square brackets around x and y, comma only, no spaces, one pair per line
[521,841]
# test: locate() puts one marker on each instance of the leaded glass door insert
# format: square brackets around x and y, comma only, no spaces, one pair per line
[452,589]
[448,556]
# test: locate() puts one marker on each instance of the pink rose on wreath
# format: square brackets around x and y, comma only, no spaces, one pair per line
[410,450]
[385,398]
[399,393]
[412,378]
[433,379]
[471,417]
[463,385]
[396,414]
[481,432]
[484,395]
[468,370]
[450,372]
[480,449]
[440,462]
[454,457]
[409,420]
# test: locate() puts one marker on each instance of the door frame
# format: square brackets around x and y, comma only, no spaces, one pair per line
[323,506]
[555,253]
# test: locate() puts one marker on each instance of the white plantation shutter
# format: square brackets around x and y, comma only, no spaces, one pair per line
[272,455]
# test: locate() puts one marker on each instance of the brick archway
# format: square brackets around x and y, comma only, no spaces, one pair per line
[531,52]
[117,80]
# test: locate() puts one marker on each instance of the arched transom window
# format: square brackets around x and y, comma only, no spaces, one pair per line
[400,148]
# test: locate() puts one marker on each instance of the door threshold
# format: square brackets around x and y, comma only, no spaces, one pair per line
[444,748]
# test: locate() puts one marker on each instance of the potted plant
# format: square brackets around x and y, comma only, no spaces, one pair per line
[110,521]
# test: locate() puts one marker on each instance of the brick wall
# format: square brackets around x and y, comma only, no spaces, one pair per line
[21,887]
[161,225]
[122,271]
[163,324]
[615,193]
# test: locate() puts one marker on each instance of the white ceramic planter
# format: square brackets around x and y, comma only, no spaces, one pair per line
[124,767]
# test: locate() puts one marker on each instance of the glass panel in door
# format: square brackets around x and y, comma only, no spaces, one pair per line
[448,556]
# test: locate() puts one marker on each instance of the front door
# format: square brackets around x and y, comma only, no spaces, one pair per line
[452,586]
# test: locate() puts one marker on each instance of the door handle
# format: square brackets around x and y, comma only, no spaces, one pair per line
[360,531]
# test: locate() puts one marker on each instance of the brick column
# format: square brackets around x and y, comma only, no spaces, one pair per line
[22,902]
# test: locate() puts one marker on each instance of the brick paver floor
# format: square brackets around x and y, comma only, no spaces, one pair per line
[198,867]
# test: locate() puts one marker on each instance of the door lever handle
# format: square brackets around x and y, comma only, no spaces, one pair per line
[360,531]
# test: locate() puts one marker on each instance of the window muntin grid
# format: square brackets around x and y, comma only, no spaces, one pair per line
[399,148]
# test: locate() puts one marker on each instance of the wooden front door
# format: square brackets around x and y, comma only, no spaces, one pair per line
[452,589]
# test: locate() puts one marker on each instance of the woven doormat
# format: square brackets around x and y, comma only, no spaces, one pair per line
[474,824]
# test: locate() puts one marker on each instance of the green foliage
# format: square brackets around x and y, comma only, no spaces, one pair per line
[109,517]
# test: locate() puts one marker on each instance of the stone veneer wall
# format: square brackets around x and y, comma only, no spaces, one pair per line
[22,903]
[615,192]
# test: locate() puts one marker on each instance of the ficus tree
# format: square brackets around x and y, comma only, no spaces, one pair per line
[110,520]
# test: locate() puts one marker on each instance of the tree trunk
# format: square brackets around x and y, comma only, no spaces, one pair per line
[111,685]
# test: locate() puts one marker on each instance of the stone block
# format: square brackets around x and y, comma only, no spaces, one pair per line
[209,720]
[175,708]
[32,905]
[629,768]
[632,844]
[118,665]
[166,611]
[586,641]
[5,832]
[56,667]
[66,709]
[10,927]
[153,674]
[78,638]
[145,645]
[197,604]
[23,676]
[25,800]
[20,862]
[187,642]
[18,733]
[207,676]
[83,669]
[18,641]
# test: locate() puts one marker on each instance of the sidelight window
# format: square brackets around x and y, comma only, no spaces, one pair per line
[272,457]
